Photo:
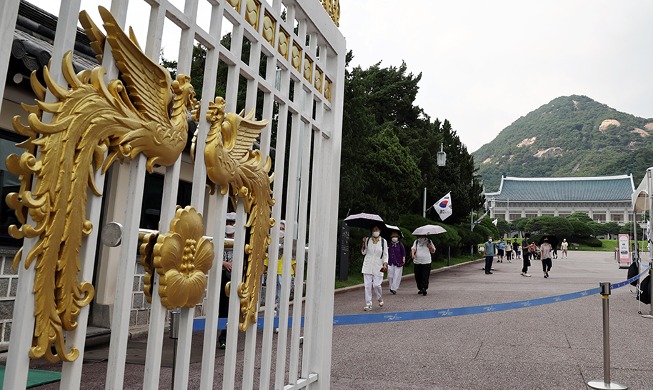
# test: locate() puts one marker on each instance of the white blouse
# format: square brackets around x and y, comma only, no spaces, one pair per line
[375,256]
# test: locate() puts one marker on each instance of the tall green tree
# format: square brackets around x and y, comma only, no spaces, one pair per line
[381,100]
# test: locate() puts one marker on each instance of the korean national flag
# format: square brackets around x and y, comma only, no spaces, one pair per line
[443,207]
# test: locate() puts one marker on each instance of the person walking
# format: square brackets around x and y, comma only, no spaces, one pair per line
[501,246]
[516,249]
[526,261]
[421,252]
[508,250]
[564,247]
[396,261]
[375,263]
[489,255]
[545,255]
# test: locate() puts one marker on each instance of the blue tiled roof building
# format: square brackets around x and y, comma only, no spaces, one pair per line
[603,198]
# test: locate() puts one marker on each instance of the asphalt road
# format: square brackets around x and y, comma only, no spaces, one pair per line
[555,346]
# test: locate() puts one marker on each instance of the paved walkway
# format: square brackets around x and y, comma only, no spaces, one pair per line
[556,346]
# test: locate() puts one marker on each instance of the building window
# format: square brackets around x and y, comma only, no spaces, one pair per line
[599,217]
[514,217]
[153,196]
[617,217]
[531,215]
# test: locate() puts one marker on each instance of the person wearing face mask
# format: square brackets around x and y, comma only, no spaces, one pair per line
[421,252]
[375,263]
[396,261]
[489,255]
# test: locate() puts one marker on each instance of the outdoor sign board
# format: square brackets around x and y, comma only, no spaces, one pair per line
[624,251]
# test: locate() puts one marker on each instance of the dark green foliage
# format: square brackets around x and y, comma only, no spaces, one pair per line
[389,148]
[571,123]
[590,241]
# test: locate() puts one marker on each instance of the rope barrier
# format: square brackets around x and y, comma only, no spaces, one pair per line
[359,319]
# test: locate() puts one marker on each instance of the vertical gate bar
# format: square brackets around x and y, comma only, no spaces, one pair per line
[71,373]
[238,262]
[268,107]
[301,255]
[21,336]
[216,209]
[250,104]
[231,98]
[8,16]
[215,228]
[331,150]
[250,357]
[291,199]
[312,276]
[122,304]
[187,314]
[156,325]
[278,191]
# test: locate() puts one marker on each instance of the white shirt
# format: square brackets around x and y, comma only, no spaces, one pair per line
[422,253]
[375,256]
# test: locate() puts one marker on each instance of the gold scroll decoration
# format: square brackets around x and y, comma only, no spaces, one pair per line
[327,89]
[318,79]
[231,163]
[93,123]
[332,7]
[269,25]
[235,4]
[182,257]
[296,60]
[308,68]
[252,10]
[284,41]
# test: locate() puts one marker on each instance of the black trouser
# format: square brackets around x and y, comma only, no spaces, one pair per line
[422,274]
[546,265]
[223,306]
[488,263]
[526,262]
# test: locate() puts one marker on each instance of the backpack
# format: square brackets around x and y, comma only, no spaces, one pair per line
[382,245]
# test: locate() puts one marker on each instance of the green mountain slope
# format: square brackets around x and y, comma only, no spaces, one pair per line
[569,136]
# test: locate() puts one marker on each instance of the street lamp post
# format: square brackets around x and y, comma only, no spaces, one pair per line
[441,160]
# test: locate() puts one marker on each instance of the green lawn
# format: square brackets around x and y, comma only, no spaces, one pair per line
[608,246]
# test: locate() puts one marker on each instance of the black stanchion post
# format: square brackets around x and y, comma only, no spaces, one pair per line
[606,383]
[174,335]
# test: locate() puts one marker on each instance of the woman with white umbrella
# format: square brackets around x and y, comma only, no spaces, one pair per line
[375,263]
[421,252]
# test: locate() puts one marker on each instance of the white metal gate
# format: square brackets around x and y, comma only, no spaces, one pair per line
[303,86]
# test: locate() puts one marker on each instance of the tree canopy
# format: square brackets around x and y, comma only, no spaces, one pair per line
[389,150]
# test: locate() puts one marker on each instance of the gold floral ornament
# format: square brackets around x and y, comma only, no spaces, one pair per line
[94,123]
[230,163]
[182,257]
